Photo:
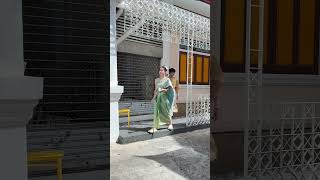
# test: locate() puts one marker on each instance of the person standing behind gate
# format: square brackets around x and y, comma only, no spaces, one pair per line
[164,97]
[218,80]
[175,84]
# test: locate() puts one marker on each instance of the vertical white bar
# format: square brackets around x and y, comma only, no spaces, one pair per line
[248,60]
[261,35]
[192,110]
[305,118]
[260,72]
[313,119]
[188,69]
[192,58]
[248,35]
[113,44]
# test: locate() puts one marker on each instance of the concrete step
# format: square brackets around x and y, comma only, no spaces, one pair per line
[138,130]
[99,174]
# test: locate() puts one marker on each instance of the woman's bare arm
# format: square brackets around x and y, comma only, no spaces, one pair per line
[177,88]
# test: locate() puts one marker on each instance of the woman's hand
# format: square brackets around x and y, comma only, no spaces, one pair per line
[164,90]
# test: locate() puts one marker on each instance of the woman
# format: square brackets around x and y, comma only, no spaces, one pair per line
[175,84]
[218,80]
[164,97]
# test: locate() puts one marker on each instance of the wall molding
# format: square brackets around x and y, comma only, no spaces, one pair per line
[276,79]
[239,79]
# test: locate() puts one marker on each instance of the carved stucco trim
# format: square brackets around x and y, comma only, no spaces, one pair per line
[115,93]
[16,113]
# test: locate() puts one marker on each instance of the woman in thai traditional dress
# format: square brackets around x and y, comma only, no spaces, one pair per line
[218,80]
[164,100]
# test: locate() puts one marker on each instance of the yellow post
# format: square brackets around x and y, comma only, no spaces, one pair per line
[129,118]
[59,169]
[128,113]
[47,158]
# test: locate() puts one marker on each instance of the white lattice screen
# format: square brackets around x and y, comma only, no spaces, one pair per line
[290,150]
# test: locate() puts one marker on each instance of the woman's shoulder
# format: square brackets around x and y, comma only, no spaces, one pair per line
[167,79]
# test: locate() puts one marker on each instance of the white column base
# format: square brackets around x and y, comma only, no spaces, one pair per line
[114,122]
[115,94]
[14,116]
[13,163]
[18,97]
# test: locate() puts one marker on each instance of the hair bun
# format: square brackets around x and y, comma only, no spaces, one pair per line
[165,68]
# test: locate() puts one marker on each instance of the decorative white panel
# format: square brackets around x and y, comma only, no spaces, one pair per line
[155,17]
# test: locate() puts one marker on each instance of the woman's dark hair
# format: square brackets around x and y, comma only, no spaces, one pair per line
[172,70]
[165,68]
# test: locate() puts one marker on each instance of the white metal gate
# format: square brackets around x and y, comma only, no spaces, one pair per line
[285,147]
[150,19]
[253,158]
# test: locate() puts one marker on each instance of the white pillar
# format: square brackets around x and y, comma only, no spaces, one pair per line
[166,45]
[18,93]
[174,55]
[215,13]
[115,90]
[113,44]
[170,57]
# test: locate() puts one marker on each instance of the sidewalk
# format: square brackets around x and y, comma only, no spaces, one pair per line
[178,157]
[138,130]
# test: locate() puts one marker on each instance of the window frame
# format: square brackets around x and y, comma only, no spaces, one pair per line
[194,75]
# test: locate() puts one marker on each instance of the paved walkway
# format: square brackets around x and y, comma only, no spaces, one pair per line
[178,157]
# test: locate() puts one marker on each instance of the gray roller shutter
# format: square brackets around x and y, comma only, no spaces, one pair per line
[137,74]
[65,42]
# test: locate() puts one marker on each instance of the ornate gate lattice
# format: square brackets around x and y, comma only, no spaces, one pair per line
[290,150]
[151,19]
[199,111]
[285,147]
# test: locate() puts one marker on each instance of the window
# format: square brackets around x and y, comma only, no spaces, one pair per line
[233,35]
[291,36]
[200,69]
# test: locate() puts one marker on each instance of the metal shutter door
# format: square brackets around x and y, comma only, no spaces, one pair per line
[66,43]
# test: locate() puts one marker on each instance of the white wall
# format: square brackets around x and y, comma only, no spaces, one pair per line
[277,88]
[197,91]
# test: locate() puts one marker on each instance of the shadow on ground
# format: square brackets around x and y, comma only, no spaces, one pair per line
[191,161]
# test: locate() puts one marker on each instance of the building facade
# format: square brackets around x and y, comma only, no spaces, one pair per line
[139,59]
[289,75]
